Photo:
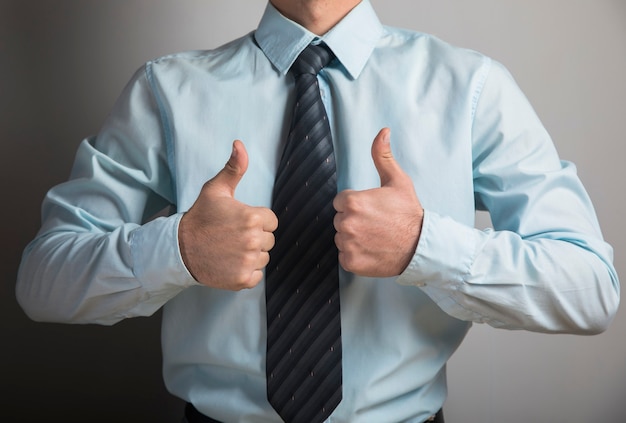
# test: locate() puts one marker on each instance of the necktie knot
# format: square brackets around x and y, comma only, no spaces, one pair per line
[312,60]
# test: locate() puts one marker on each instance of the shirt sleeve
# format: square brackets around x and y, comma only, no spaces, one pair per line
[545,266]
[95,259]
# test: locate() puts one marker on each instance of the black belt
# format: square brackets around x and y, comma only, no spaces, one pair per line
[194,416]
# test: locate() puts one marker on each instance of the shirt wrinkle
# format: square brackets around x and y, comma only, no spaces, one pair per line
[165,122]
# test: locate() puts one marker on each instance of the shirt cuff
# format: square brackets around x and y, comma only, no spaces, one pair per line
[443,261]
[157,262]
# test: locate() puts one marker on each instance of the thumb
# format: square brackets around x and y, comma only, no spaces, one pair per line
[227,179]
[386,165]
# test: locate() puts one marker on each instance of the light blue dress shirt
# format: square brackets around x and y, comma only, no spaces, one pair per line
[461,129]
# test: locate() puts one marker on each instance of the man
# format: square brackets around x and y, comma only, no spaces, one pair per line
[414,273]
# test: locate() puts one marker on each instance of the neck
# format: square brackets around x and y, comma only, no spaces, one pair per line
[318,16]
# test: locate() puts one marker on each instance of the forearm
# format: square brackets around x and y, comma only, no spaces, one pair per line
[104,277]
[545,284]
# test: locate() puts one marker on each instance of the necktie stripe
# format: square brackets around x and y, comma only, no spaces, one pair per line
[308,129]
[305,364]
[311,408]
[306,95]
[284,313]
[304,162]
[294,196]
[308,403]
[311,250]
[299,361]
[323,268]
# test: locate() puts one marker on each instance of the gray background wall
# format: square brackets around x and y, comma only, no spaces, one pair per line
[63,63]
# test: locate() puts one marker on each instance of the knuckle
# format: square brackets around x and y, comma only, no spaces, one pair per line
[338,241]
[348,262]
[271,219]
[243,281]
[352,202]
[252,219]
[338,201]
[248,261]
[271,241]
[255,278]
[338,221]
[347,226]
[342,242]
[252,243]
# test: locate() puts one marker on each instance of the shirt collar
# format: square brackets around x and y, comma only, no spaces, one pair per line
[352,40]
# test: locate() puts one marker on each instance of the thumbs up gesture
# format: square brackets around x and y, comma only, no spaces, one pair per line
[224,243]
[378,229]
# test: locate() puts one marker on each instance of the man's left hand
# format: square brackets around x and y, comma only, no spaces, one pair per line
[378,229]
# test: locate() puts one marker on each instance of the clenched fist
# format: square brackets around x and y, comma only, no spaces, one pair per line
[378,229]
[224,243]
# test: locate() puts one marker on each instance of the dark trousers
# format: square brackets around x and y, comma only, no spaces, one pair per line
[194,416]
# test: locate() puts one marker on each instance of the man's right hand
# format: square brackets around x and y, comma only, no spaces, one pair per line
[224,243]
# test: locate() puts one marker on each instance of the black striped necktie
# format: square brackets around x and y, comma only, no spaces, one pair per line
[302,282]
